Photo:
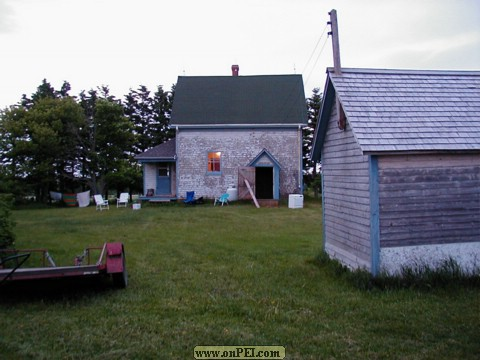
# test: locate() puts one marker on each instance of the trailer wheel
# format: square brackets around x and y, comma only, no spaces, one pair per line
[120,280]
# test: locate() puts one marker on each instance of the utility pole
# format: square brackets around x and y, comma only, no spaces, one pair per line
[337,67]
[335,42]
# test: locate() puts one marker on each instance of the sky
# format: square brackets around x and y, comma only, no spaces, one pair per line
[127,43]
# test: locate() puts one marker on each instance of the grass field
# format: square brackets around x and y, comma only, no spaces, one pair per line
[232,275]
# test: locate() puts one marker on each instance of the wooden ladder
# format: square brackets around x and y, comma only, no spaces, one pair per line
[251,193]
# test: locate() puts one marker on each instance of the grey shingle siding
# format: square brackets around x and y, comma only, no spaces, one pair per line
[238,147]
[401,183]
[346,198]
[429,199]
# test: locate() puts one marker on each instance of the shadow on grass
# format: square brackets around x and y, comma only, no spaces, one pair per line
[55,290]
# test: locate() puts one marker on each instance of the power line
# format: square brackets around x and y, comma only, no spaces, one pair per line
[315,48]
[316,60]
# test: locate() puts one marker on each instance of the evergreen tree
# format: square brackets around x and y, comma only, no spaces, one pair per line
[314,104]
[45,90]
[150,116]
[138,106]
[162,107]
[107,139]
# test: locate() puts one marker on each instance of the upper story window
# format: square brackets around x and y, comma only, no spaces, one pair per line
[214,161]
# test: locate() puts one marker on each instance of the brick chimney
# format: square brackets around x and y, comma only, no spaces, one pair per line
[235,69]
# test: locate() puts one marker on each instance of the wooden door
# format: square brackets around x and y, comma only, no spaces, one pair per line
[163,180]
[245,173]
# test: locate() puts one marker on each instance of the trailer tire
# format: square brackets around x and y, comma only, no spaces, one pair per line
[120,280]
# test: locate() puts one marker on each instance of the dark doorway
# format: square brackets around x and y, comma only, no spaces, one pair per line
[264,182]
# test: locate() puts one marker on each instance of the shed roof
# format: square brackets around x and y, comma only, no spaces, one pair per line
[265,100]
[164,151]
[405,110]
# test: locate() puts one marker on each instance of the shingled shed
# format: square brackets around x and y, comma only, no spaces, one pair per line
[400,154]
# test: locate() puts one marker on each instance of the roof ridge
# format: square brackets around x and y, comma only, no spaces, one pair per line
[236,77]
[405,71]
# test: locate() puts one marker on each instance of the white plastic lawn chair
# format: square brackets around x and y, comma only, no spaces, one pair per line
[122,201]
[100,203]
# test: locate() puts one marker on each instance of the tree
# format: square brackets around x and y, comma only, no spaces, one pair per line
[39,140]
[7,236]
[45,90]
[150,117]
[162,107]
[139,109]
[11,133]
[314,103]
[106,140]
[128,177]
[39,143]
[55,141]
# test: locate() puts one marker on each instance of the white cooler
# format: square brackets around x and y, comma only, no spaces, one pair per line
[295,201]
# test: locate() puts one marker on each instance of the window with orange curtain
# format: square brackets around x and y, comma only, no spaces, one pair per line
[214,161]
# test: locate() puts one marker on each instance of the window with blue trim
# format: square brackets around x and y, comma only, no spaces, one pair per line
[214,158]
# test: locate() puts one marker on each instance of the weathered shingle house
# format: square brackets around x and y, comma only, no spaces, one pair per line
[229,128]
[400,154]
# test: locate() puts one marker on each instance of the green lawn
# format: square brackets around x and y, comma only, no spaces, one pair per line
[232,275]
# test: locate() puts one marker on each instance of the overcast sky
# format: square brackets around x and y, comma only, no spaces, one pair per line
[127,43]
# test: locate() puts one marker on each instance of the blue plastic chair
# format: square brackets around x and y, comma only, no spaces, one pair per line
[222,199]
[190,200]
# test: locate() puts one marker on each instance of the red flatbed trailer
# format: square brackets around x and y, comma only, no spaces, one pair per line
[111,262]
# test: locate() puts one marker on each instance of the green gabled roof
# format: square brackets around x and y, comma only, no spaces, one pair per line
[239,100]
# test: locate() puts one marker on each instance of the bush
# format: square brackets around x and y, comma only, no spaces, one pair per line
[7,236]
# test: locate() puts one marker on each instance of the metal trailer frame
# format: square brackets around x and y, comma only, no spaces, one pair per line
[111,262]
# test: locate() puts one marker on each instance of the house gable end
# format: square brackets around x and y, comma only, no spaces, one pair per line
[410,110]
[404,110]
[264,158]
